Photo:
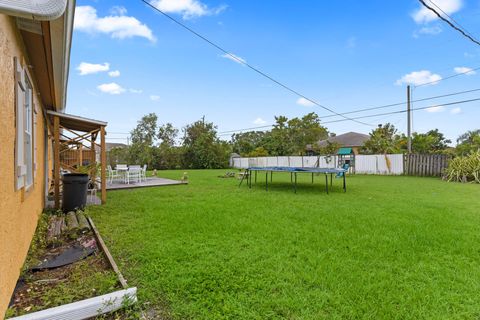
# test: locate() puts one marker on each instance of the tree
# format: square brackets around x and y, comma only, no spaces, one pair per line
[383,140]
[146,130]
[117,155]
[329,149]
[468,142]
[166,155]
[246,142]
[290,137]
[430,142]
[167,134]
[304,131]
[202,148]
[258,152]
[143,139]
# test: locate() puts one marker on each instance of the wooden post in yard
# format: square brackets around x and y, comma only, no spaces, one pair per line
[56,160]
[93,159]
[103,161]
[80,154]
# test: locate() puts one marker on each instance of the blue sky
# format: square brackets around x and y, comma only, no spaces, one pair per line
[128,60]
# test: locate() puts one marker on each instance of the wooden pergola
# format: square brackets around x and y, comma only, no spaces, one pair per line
[73,135]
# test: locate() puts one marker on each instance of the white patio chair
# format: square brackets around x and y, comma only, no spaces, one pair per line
[143,174]
[122,170]
[112,174]
[134,173]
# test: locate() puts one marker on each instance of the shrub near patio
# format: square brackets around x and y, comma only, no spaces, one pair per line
[389,248]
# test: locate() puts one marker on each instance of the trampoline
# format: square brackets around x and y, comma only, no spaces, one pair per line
[252,171]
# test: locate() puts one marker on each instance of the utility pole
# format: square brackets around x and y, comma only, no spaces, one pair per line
[409,122]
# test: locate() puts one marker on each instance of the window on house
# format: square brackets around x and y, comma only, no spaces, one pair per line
[24,155]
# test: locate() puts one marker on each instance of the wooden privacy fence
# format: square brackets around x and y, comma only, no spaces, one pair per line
[77,157]
[426,164]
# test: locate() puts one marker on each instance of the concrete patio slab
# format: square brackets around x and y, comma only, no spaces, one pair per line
[150,182]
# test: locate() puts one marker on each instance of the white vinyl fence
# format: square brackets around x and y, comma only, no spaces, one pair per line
[364,164]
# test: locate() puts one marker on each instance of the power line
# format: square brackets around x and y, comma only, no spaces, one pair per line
[451,18]
[367,116]
[449,23]
[449,77]
[413,109]
[243,62]
[366,109]
[403,103]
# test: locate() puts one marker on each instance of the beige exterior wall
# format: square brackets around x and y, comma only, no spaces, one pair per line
[19,209]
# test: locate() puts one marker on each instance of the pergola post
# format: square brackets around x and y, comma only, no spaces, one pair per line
[56,160]
[80,155]
[103,160]
[93,157]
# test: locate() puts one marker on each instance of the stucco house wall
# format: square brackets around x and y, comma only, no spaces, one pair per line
[19,209]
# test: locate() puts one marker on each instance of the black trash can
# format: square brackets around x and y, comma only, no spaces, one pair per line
[74,191]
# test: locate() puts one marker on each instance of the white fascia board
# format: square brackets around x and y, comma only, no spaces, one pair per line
[43,10]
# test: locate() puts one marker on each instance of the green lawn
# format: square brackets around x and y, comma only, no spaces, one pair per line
[389,248]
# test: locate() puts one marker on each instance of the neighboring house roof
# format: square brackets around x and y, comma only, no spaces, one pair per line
[46,27]
[111,145]
[349,139]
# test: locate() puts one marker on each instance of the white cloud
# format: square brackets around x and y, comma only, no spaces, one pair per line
[464,70]
[304,102]
[154,97]
[91,68]
[419,77]
[435,109]
[187,8]
[424,15]
[111,88]
[115,73]
[118,11]
[135,91]
[234,58]
[259,121]
[456,110]
[434,30]
[117,26]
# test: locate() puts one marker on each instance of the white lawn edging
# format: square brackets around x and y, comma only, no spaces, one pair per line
[87,308]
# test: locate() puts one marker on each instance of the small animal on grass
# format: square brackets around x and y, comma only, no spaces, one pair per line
[184,177]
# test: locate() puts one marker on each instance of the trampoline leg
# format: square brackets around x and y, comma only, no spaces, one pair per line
[331,180]
[243,177]
[266,181]
[326,183]
[295,182]
[249,180]
[312,177]
[255,176]
[344,183]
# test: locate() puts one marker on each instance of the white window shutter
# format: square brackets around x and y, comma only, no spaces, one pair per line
[34,138]
[20,167]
